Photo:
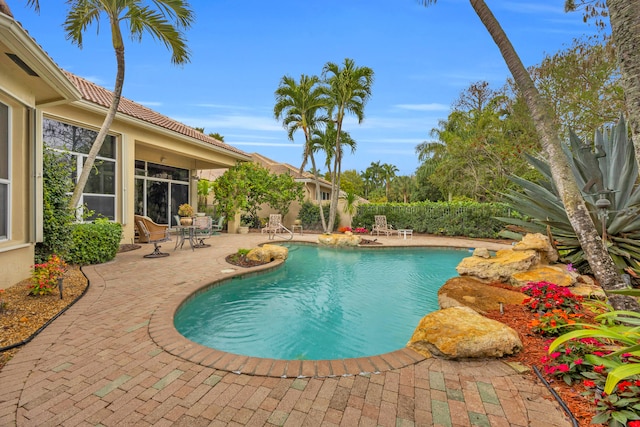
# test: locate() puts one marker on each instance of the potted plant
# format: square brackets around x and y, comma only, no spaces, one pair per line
[243,228]
[185,211]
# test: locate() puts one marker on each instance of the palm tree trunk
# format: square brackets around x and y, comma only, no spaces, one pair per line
[335,178]
[318,193]
[624,17]
[599,260]
[104,129]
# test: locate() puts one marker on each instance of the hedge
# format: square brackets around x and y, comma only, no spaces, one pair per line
[468,219]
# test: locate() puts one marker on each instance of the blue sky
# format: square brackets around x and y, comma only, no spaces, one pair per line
[423,58]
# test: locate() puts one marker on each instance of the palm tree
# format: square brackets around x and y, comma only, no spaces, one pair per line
[165,23]
[601,263]
[325,140]
[403,185]
[349,89]
[388,173]
[350,205]
[376,173]
[624,18]
[300,106]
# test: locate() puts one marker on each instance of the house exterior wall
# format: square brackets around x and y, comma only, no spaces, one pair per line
[135,141]
[17,250]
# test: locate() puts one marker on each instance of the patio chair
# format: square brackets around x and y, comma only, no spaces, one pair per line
[203,230]
[381,225]
[150,232]
[274,225]
[217,228]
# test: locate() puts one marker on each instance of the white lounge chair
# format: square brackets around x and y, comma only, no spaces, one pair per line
[381,225]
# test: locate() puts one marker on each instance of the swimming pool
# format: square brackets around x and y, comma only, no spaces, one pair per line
[323,303]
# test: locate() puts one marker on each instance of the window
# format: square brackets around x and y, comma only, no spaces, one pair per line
[5,163]
[325,195]
[160,189]
[99,194]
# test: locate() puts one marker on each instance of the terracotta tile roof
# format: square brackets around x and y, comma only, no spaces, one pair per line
[101,96]
[279,168]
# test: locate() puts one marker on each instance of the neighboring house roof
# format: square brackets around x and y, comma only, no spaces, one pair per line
[279,168]
[98,95]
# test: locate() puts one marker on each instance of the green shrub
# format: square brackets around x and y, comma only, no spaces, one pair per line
[463,218]
[95,243]
[310,216]
[57,218]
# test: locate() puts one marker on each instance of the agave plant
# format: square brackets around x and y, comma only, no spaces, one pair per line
[607,173]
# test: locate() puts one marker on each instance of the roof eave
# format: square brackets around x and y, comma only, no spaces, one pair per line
[88,105]
[23,45]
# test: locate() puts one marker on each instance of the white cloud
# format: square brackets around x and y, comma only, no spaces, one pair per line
[265,144]
[414,141]
[221,106]
[219,123]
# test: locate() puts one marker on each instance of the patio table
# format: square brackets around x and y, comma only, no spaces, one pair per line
[185,232]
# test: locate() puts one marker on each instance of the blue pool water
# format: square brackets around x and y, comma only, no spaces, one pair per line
[324,303]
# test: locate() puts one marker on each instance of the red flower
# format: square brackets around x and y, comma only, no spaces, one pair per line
[589,383]
[563,367]
[633,424]
[623,385]
[599,368]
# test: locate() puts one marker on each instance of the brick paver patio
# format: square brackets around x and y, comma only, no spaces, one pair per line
[114,359]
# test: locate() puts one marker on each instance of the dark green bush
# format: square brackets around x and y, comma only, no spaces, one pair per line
[468,219]
[310,216]
[95,243]
[57,218]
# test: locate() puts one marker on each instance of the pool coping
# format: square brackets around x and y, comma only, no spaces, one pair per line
[163,332]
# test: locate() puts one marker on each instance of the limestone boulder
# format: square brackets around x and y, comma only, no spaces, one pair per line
[461,333]
[539,243]
[346,239]
[558,275]
[268,253]
[500,267]
[482,253]
[472,293]
[587,287]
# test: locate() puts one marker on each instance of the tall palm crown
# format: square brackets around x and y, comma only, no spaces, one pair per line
[301,106]
[349,89]
[166,22]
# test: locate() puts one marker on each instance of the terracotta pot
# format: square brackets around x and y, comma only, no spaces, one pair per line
[185,220]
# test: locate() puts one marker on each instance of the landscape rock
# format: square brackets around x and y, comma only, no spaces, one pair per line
[482,253]
[587,288]
[558,275]
[501,267]
[268,253]
[461,333]
[472,293]
[539,243]
[346,239]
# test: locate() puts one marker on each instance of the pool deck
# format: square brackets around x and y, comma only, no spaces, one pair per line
[114,359]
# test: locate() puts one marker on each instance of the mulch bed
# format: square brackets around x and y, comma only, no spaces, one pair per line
[128,247]
[242,261]
[24,314]
[534,348]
